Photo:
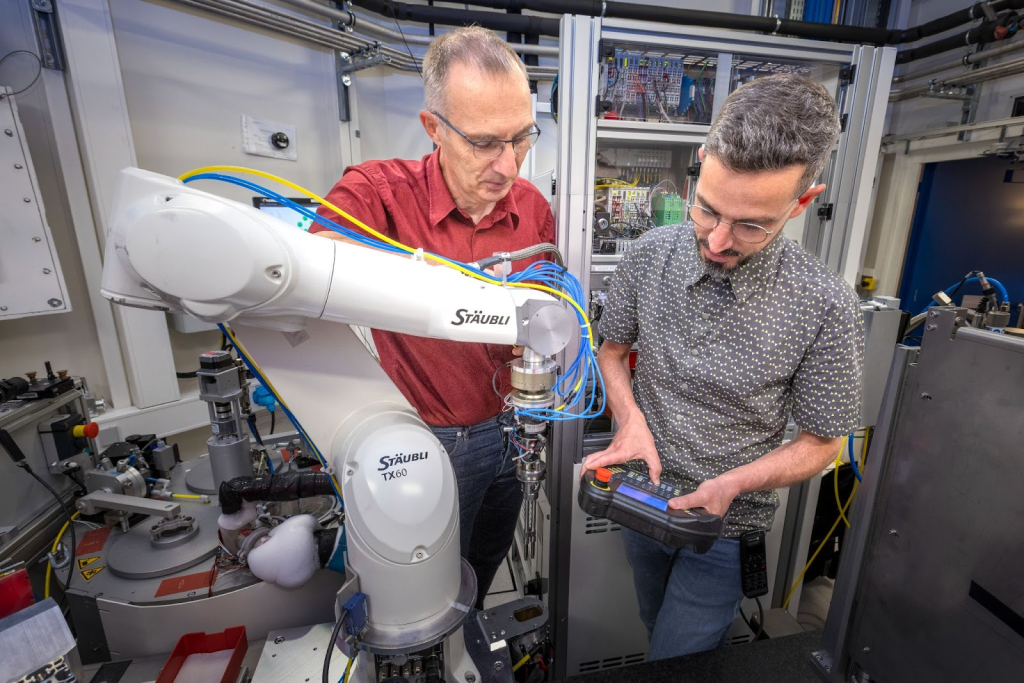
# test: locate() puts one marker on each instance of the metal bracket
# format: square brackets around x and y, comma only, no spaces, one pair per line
[47,33]
[847,74]
[511,620]
[349,63]
[825,212]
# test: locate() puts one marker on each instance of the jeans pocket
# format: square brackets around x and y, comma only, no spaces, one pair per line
[452,438]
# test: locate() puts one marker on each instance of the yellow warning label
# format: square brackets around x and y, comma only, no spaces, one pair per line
[84,562]
[87,574]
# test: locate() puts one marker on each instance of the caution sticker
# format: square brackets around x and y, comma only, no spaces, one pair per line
[87,574]
[84,562]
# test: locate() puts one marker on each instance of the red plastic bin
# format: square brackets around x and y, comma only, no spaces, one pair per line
[203,643]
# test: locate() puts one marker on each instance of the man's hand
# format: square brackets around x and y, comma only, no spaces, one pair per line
[714,495]
[632,441]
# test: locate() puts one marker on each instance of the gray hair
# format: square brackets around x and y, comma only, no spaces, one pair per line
[775,122]
[470,45]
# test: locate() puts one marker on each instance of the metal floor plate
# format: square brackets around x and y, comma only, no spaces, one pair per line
[297,654]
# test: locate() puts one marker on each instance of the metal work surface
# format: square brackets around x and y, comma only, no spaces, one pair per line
[133,555]
[938,592]
[297,654]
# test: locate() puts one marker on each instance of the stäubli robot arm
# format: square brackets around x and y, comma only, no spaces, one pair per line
[172,247]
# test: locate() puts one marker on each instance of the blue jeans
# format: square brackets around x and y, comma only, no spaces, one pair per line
[490,496]
[694,611]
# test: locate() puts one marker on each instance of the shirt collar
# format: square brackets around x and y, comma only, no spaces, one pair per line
[743,281]
[442,203]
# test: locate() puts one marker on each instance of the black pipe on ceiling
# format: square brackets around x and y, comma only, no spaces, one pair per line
[537,26]
[528,24]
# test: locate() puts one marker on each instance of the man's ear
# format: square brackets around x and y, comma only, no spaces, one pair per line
[700,154]
[432,126]
[806,198]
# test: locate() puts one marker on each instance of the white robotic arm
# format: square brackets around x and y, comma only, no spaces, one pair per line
[174,247]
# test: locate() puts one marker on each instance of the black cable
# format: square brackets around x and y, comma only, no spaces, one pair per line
[494,380]
[760,619]
[71,523]
[273,417]
[330,648]
[407,48]
[39,71]
[251,421]
[187,375]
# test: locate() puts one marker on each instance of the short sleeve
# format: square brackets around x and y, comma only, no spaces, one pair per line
[359,196]
[827,388]
[619,321]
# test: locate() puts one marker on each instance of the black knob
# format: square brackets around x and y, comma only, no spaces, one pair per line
[279,140]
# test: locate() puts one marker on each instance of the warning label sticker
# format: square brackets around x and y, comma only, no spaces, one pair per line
[87,574]
[84,562]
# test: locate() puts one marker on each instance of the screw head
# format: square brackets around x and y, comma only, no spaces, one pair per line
[470,677]
[46,271]
[8,132]
[498,666]
[893,532]
[3,308]
[27,200]
[37,239]
[279,640]
[275,274]
[18,166]
[867,649]
[55,303]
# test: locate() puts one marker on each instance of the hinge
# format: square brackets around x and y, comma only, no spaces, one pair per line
[605,51]
[693,171]
[847,74]
[825,212]
[45,22]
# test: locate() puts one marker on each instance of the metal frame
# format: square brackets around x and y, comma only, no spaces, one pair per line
[579,134]
[105,140]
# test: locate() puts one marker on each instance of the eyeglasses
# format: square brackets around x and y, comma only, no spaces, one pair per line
[751,233]
[492,149]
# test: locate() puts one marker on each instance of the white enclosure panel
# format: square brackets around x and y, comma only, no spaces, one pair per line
[31,281]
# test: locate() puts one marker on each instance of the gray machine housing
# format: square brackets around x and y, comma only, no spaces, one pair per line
[929,582]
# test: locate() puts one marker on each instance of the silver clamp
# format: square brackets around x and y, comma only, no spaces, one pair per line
[604,7]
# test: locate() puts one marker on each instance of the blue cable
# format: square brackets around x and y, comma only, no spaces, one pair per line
[305,435]
[995,283]
[853,460]
[543,272]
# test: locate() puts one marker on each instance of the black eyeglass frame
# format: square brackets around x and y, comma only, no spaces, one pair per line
[533,135]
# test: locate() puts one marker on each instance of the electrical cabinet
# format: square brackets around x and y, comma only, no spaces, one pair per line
[635,103]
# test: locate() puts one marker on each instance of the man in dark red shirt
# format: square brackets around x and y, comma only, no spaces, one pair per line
[465,201]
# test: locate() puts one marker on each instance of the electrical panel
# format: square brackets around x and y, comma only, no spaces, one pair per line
[650,86]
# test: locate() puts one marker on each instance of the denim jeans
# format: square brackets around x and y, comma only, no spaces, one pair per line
[694,611]
[490,496]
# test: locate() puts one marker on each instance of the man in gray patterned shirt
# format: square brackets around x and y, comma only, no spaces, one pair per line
[737,328]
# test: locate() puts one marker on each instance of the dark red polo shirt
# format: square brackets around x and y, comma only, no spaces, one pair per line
[448,382]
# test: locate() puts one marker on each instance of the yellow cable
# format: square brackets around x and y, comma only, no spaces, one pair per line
[828,537]
[520,663]
[56,542]
[185,495]
[835,478]
[348,670]
[384,238]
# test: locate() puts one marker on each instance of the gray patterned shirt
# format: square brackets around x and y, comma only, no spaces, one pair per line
[724,360]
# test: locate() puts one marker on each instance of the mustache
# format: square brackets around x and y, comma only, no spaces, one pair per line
[707,245]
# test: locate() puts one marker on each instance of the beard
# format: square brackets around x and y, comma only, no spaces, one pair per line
[716,268]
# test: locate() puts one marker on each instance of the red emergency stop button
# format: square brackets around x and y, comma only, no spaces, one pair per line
[91,430]
[603,475]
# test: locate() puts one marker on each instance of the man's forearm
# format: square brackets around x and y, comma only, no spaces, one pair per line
[791,463]
[614,364]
